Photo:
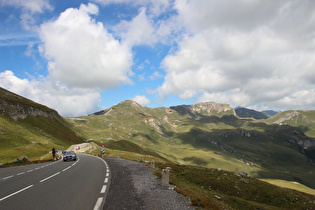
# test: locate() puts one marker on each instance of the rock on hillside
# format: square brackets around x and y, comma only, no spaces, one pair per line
[18,107]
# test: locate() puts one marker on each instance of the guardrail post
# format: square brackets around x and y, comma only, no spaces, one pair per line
[152,164]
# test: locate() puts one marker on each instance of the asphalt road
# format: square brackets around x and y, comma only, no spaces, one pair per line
[134,186]
[82,184]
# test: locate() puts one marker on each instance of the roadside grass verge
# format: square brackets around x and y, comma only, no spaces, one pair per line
[45,158]
[219,189]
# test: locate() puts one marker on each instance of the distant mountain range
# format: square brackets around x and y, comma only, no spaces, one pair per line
[208,134]
[214,135]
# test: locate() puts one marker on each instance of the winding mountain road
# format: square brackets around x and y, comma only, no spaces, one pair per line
[82,184]
[88,183]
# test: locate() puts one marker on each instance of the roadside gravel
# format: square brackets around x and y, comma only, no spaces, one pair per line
[134,186]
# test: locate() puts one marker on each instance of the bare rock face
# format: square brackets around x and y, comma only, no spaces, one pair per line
[18,107]
[207,108]
[287,116]
[210,107]
[20,111]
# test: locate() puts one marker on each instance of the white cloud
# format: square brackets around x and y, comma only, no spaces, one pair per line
[29,9]
[141,99]
[83,59]
[82,53]
[67,101]
[156,75]
[137,31]
[243,52]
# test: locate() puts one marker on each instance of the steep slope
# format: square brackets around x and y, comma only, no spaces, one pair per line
[270,112]
[209,135]
[30,129]
[305,120]
[249,113]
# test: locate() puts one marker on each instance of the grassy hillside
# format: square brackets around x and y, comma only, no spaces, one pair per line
[219,139]
[30,129]
[219,189]
[305,120]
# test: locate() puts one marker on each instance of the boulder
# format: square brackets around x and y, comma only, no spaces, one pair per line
[22,159]
[244,181]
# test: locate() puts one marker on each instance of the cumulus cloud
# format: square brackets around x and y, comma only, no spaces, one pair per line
[67,101]
[244,53]
[137,31]
[144,29]
[82,53]
[141,99]
[83,59]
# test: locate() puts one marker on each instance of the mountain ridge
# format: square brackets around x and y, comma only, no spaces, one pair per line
[211,135]
[206,134]
[31,129]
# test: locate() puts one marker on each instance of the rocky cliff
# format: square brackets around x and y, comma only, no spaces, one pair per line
[18,107]
[207,108]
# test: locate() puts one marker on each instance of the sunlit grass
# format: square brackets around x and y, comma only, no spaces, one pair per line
[291,185]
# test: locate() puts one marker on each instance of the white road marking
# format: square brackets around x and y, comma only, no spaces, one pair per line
[107,174]
[8,177]
[66,168]
[98,204]
[30,170]
[20,173]
[36,168]
[50,177]
[16,192]
[103,189]
[106,180]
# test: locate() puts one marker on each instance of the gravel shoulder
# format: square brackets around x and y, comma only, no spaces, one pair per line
[134,186]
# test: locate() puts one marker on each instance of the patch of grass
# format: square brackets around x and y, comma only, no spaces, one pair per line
[214,189]
[291,185]
[33,137]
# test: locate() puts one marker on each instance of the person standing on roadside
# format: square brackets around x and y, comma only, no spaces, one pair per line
[53,152]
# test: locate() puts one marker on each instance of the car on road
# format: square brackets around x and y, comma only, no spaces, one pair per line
[69,155]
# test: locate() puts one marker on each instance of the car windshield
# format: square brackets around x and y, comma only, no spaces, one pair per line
[70,153]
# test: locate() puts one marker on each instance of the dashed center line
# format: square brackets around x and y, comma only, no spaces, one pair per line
[99,200]
[8,177]
[50,177]
[66,168]
[16,192]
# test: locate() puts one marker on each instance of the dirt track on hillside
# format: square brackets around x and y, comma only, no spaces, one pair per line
[82,148]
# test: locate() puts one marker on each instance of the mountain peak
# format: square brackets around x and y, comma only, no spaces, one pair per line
[205,108]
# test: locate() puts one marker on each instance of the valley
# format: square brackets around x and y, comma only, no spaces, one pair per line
[205,144]
[209,135]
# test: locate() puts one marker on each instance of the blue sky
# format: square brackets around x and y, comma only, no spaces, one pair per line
[79,57]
